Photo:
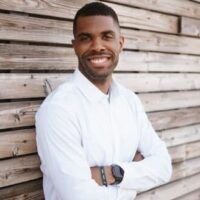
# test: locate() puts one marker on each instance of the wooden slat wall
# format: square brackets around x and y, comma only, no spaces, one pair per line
[160,61]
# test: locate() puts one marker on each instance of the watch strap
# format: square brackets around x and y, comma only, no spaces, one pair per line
[103,176]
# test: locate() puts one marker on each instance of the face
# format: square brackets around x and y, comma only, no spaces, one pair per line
[97,45]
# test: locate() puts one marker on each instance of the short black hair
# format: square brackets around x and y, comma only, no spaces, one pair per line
[95,9]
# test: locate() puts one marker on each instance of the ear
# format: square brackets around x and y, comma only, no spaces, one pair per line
[121,42]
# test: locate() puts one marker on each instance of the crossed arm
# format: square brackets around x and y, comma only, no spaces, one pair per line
[70,171]
[109,177]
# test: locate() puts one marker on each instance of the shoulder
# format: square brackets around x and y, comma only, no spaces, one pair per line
[131,97]
[63,100]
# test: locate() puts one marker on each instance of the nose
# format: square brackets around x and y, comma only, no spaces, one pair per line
[97,45]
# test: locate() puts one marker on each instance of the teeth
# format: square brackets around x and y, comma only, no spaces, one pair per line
[98,60]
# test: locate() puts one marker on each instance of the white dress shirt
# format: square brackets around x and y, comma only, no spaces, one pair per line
[78,126]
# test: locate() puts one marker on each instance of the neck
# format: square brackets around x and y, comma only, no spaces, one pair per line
[103,85]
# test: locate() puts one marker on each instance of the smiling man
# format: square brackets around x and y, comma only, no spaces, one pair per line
[94,139]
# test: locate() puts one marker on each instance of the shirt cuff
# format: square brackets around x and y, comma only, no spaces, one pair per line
[135,176]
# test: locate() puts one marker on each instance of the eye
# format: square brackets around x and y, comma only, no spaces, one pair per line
[108,36]
[84,38]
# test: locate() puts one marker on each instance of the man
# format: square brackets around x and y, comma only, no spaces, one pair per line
[90,128]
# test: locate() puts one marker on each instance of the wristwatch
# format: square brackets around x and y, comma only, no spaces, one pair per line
[118,173]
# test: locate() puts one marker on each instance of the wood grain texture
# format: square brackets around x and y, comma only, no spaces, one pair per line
[181,135]
[26,85]
[174,118]
[129,17]
[36,195]
[21,188]
[194,195]
[40,57]
[175,7]
[67,8]
[34,85]
[56,8]
[158,62]
[32,29]
[18,170]
[150,82]
[185,151]
[185,169]
[144,19]
[150,41]
[18,114]
[170,100]
[34,57]
[190,26]
[16,143]
[169,191]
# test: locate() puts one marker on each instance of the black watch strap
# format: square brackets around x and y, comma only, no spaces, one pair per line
[103,176]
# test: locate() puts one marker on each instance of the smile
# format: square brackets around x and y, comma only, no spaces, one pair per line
[98,60]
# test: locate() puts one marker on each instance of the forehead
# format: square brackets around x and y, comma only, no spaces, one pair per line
[95,24]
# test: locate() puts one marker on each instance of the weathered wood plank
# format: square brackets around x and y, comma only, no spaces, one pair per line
[181,135]
[39,195]
[186,151]
[190,26]
[160,42]
[21,114]
[22,188]
[174,118]
[176,7]
[25,28]
[55,8]
[195,195]
[32,29]
[192,150]
[67,8]
[36,85]
[186,168]
[144,19]
[169,191]
[148,61]
[18,170]
[18,114]
[170,100]
[31,57]
[128,17]
[26,85]
[149,82]
[15,143]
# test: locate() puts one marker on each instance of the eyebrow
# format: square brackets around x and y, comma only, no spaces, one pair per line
[109,32]
[102,33]
[84,34]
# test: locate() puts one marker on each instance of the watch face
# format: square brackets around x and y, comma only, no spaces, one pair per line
[118,173]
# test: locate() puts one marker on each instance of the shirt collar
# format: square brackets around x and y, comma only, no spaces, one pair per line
[89,90]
